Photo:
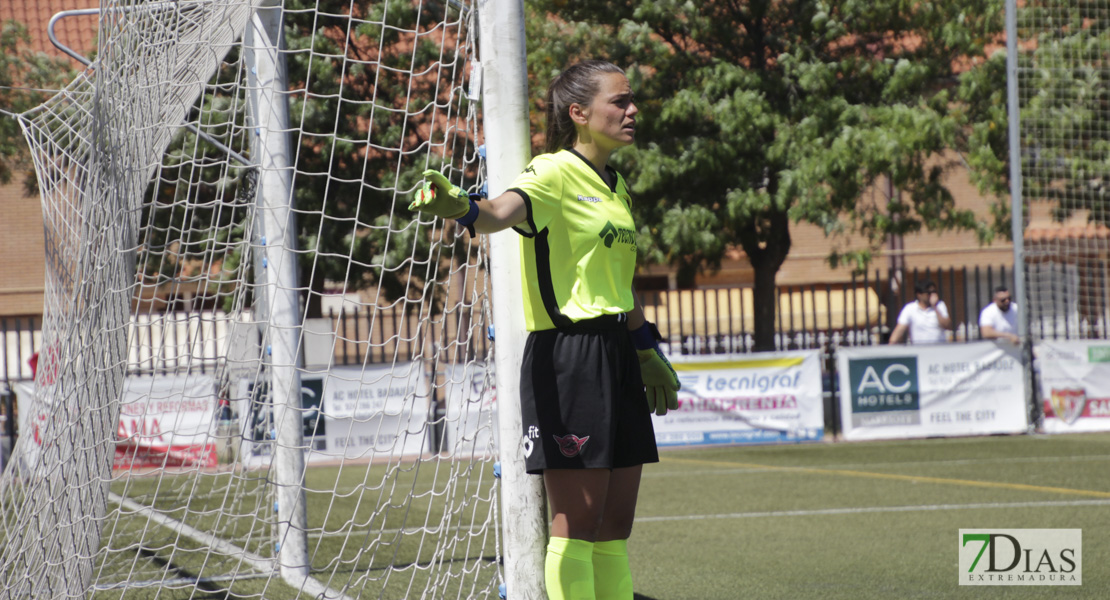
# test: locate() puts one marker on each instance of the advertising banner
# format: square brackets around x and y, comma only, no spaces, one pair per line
[376,410]
[1074,385]
[347,412]
[936,390]
[165,421]
[764,398]
[470,423]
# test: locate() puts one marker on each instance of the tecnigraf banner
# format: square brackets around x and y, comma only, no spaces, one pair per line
[764,398]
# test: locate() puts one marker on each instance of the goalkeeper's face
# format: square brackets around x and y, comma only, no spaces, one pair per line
[611,116]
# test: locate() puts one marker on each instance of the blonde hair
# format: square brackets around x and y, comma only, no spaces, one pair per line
[578,84]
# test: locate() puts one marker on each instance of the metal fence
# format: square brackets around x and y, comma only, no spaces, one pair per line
[702,321]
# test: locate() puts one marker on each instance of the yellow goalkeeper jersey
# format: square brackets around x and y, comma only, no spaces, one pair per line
[578,245]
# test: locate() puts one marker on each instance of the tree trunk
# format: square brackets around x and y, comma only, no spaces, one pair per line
[766,241]
[765,299]
[314,308]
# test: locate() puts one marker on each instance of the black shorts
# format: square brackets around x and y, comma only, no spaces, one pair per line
[582,400]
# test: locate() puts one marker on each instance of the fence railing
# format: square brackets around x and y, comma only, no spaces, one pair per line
[702,321]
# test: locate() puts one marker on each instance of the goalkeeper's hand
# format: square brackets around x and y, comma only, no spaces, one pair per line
[660,380]
[440,197]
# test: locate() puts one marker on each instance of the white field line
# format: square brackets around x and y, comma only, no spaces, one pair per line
[871,510]
[653,473]
[393,531]
[260,564]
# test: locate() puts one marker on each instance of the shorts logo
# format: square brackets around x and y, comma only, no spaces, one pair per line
[533,433]
[570,445]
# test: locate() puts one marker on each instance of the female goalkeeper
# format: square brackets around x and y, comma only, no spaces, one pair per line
[590,354]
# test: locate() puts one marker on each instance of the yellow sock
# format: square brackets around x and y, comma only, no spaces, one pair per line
[569,569]
[612,575]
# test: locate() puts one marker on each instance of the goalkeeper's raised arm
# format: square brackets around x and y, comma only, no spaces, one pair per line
[441,198]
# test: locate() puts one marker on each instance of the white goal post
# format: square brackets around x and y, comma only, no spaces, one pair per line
[253,159]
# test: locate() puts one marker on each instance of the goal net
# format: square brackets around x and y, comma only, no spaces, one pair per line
[1065,176]
[261,376]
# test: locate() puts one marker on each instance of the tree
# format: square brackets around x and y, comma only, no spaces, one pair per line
[756,114]
[369,102]
[1064,66]
[26,79]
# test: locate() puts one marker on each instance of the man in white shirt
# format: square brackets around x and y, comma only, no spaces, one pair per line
[999,319]
[926,319]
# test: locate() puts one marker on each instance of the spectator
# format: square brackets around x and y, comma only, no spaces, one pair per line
[926,318]
[999,319]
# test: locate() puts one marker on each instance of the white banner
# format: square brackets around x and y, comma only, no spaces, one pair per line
[1074,385]
[761,398]
[165,421]
[935,390]
[355,412]
[347,412]
[470,423]
[376,410]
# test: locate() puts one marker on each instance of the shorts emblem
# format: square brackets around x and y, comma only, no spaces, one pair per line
[533,433]
[570,445]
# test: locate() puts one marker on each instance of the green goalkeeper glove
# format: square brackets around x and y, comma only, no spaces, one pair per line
[660,379]
[441,198]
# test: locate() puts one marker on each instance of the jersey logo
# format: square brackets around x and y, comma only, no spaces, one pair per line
[590,199]
[529,169]
[570,445]
[610,234]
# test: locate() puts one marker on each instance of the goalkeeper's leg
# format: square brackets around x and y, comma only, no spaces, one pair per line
[612,574]
[577,499]
[593,511]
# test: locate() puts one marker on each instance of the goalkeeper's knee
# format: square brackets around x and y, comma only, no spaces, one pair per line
[569,569]
[612,575]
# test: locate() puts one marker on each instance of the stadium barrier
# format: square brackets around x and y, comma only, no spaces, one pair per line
[881,392]
[693,323]
[976,388]
[1074,385]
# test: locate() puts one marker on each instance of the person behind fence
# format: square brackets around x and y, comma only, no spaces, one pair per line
[926,318]
[590,352]
[999,319]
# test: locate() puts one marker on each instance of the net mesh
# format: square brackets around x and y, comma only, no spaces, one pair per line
[200,425]
[1064,57]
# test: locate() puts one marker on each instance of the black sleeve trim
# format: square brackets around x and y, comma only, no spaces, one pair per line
[530,220]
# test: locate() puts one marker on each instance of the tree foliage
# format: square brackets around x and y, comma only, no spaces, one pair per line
[27,78]
[371,87]
[1064,75]
[758,114]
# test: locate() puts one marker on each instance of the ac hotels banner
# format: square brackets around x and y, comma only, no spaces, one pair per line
[924,391]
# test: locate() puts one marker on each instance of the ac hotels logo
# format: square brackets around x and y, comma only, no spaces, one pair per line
[1021,557]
